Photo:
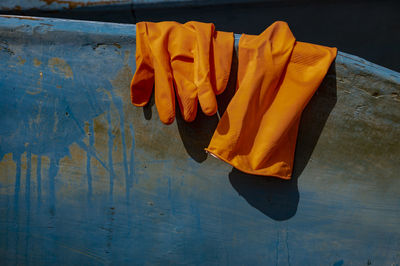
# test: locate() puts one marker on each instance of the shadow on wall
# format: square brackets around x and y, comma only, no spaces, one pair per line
[196,135]
[276,198]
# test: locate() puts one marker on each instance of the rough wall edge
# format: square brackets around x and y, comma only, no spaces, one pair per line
[14,23]
[57,5]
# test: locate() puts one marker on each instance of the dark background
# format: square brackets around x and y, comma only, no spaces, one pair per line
[369,29]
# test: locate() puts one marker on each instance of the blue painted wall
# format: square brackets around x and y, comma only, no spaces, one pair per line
[86,178]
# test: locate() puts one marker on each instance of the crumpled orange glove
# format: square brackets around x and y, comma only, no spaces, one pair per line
[277,76]
[192,57]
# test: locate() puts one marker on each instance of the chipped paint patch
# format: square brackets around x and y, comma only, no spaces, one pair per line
[72,170]
[47,24]
[7,168]
[117,45]
[21,60]
[20,17]
[39,89]
[36,62]
[59,66]
[122,81]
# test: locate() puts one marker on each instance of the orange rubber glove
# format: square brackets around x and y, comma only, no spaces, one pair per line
[192,57]
[277,76]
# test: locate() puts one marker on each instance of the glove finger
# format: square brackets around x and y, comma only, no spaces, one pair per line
[207,100]
[185,89]
[143,81]
[164,94]
[202,70]
[221,60]
[158,35]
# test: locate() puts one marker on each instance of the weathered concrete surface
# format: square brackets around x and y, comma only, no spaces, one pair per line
[86,178]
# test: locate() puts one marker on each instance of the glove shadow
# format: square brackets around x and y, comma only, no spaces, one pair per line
[274,197]
[277,198]
[196,135]
[313,120]
[148,108]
